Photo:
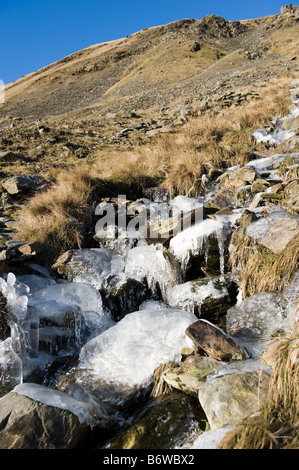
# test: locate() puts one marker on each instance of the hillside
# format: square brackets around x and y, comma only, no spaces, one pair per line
[149,228]
[180,63]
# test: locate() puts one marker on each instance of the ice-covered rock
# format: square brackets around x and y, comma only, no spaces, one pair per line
[195,241]
[92,266]
[56,399]
[210,439]
[126,356]
[260,315]
[274,231]
[212,297]
[151,262]
[76,306]
[227,399]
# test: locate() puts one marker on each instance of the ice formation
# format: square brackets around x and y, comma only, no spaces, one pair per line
[194,240]
[79,302]
[11,365]
[257,316]
[190,294]
[150,262]
[128,353]
[94,266]
[57,399]
[210,439]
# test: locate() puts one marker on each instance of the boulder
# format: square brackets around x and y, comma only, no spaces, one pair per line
[291,123]
[290,201]
[244,174]
[206,298]
[175,419]
[230,398]
[224,198]
[27,423]
[8,156]
[214,341]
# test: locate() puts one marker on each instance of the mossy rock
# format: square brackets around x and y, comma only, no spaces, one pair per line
[165,422]
[189,375]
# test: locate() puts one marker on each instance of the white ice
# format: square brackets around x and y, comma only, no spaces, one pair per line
[261,315]
[56,399]
[128,353]
[54,301]
[150,262]
[210,439]
[94,266]
[192,239]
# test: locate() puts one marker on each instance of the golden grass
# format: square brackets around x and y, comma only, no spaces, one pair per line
[260,270]
[58,217]
[276,426]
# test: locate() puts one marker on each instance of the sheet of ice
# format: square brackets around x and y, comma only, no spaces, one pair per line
[263,164]
[184,204]
[128,353]
[56,399]
[273,138]
[210,439]
[35,282]
[235,367]
[94,266]
[150,262]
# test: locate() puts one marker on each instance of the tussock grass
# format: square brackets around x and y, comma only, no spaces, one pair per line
[261,270]
[277,424]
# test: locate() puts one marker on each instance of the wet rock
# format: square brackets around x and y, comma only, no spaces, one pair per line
[175,419]
[228,399]
[29,424]
[124,296]
[214,341]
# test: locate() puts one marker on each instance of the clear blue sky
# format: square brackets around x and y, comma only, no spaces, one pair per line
[34,33]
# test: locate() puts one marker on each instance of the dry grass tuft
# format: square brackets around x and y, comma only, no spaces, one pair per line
[260,270]
[161,387]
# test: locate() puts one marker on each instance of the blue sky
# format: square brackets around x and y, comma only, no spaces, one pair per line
[34,33]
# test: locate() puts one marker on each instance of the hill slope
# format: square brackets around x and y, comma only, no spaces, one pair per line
[182,62]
